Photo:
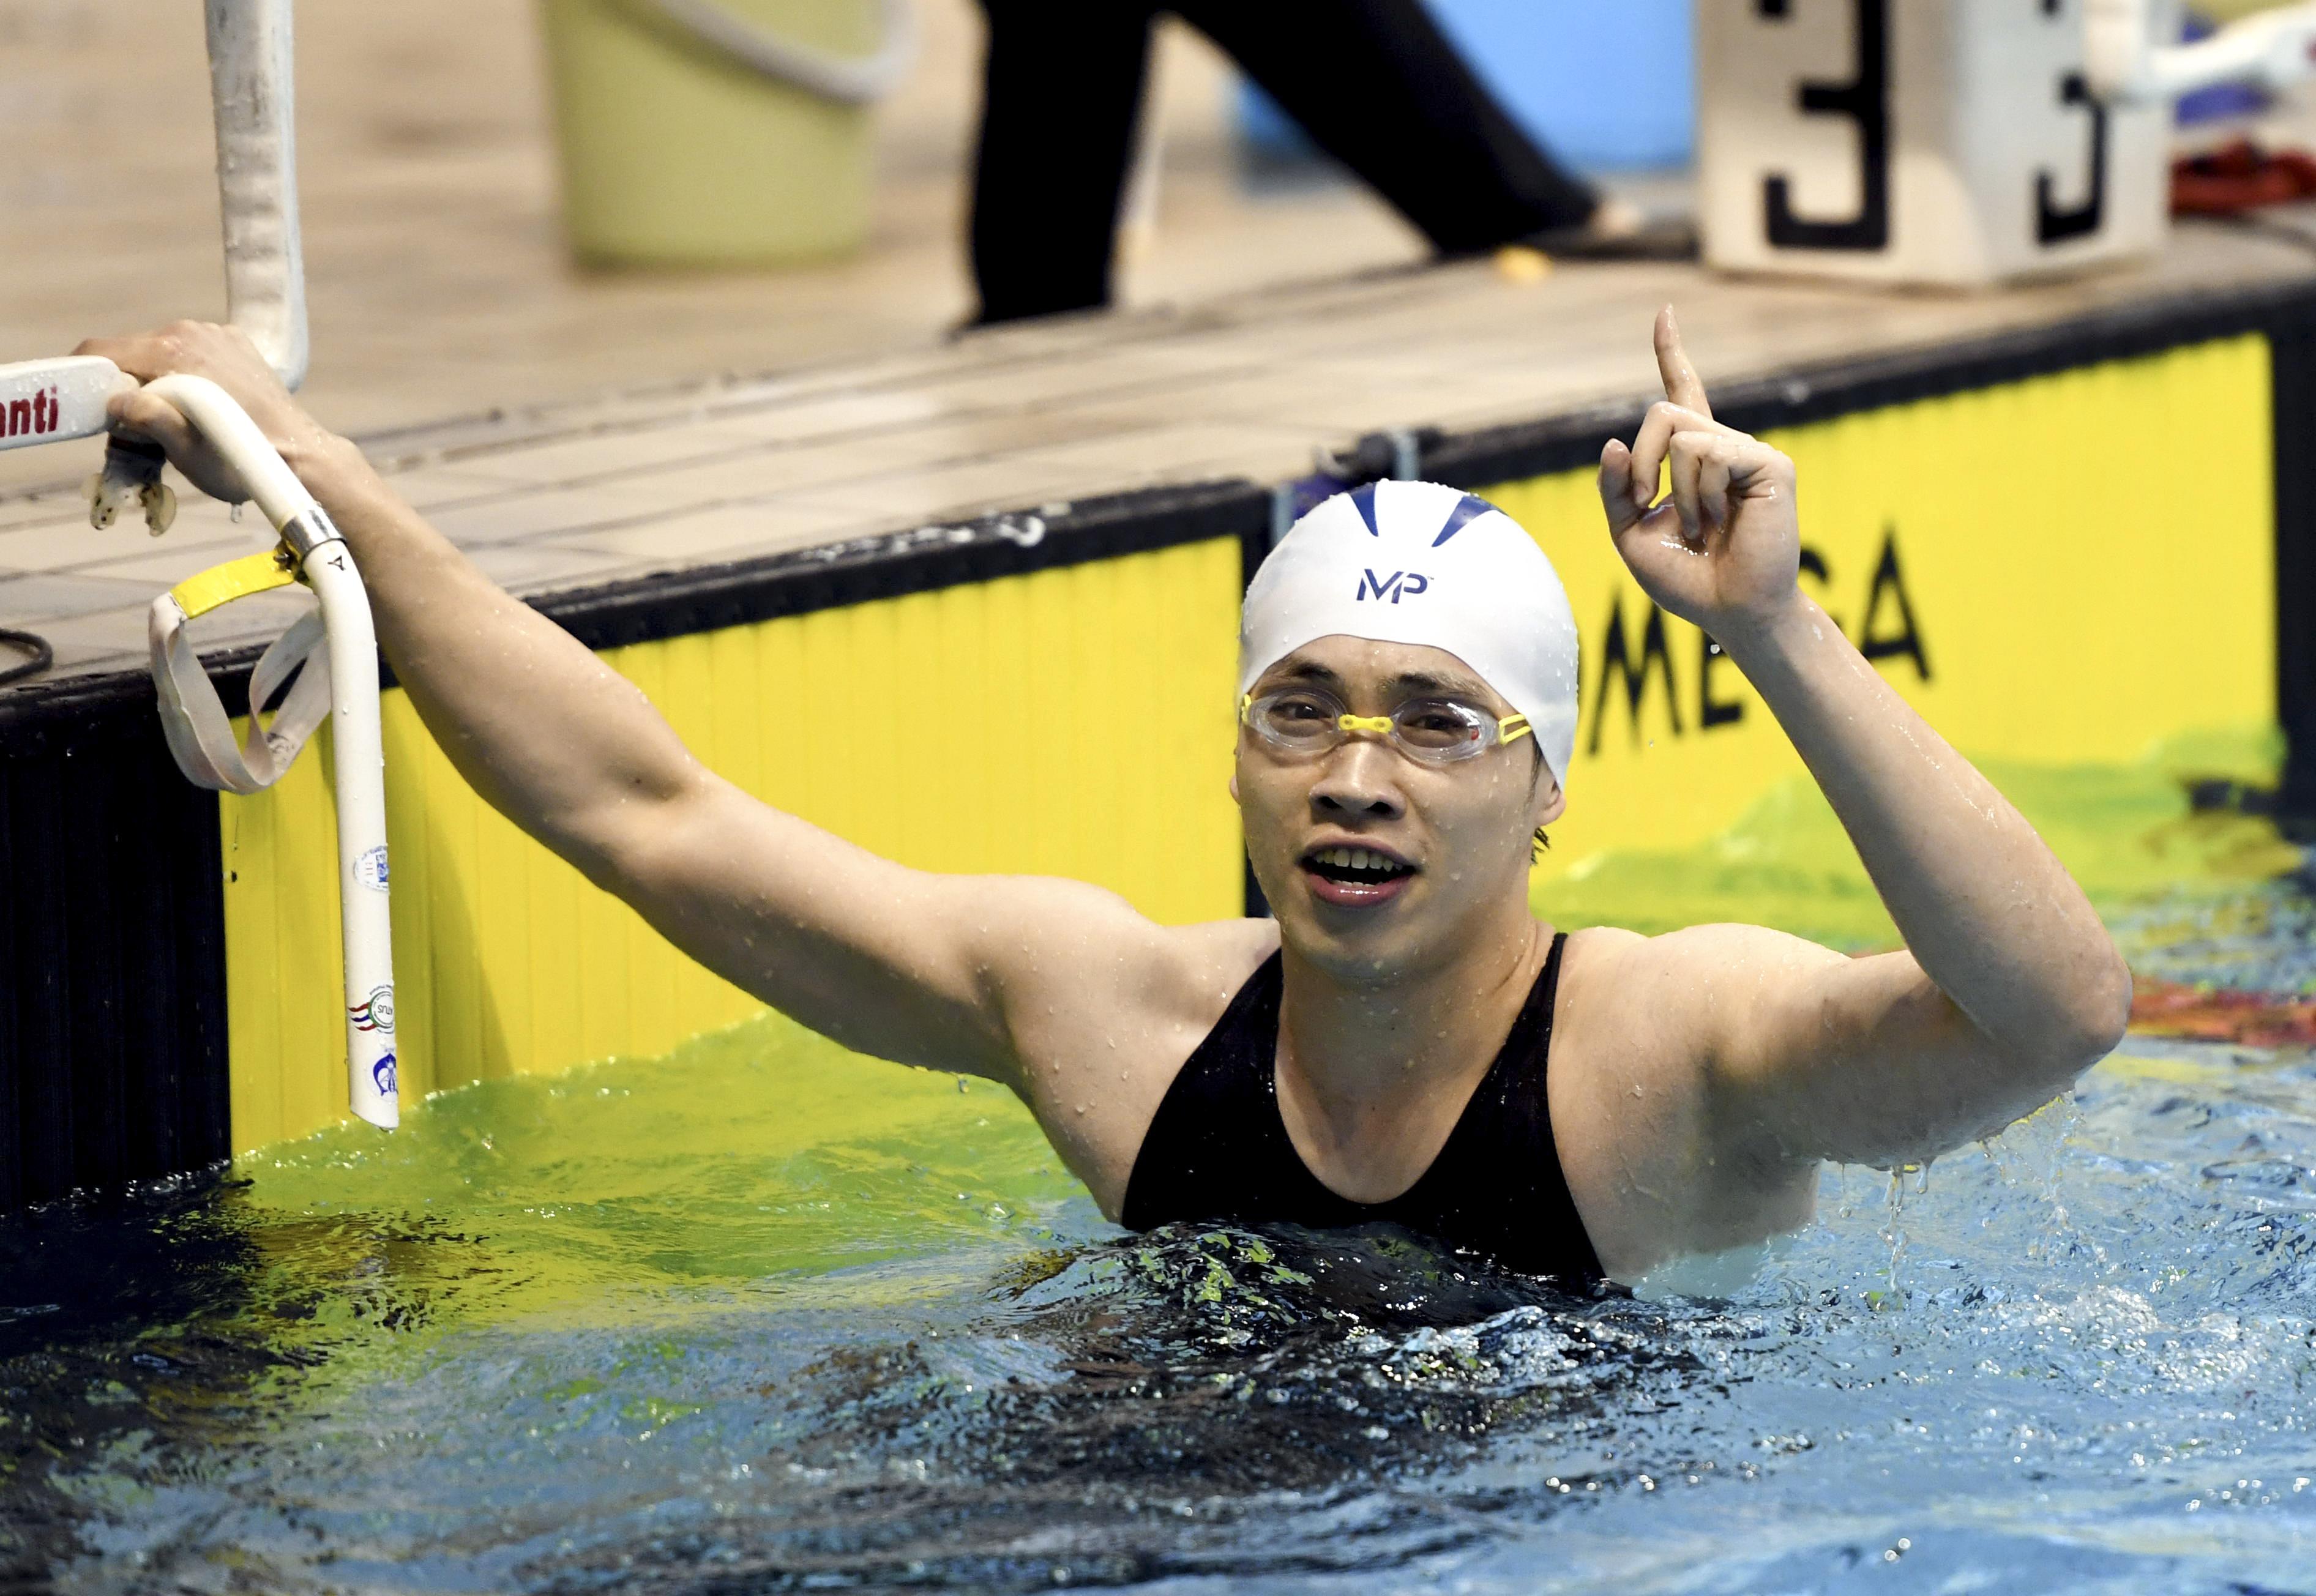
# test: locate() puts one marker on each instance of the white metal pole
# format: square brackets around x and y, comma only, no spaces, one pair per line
[2130,52]
[253,96]
[358,762]
[357,774]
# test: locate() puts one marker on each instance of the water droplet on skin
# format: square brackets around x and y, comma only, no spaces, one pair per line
[1082,1107]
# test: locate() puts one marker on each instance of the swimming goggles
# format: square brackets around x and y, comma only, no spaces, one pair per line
[1302,720]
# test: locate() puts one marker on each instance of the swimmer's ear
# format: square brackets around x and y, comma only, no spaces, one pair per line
[1555,804]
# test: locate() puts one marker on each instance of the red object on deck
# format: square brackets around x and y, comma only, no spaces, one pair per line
[2205,1014]
[2240,176]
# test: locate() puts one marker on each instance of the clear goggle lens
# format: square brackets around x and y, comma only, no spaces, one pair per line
[1436,731]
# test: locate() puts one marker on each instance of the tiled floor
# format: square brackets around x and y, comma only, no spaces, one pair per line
[682,473]
[437,272]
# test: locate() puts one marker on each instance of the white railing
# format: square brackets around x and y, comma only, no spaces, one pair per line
[49,401]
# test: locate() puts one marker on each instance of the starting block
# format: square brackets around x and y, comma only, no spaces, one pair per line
[1951,142]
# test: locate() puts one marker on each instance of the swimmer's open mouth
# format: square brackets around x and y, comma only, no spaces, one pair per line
[1356,867]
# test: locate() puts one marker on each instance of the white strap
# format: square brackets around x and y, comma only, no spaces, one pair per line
[845,79]
[194,720]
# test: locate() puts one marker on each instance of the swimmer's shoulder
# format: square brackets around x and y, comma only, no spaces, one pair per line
[1077,955]
[1662,998]
[1208,962]
[1099,1055]
[1240,944]
[1640,1024]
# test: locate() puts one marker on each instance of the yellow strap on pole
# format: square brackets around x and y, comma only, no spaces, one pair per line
[221,584]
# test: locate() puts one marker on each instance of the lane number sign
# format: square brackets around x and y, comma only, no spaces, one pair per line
[1935,141]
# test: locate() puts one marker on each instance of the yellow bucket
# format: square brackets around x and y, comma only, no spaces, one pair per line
[718,132]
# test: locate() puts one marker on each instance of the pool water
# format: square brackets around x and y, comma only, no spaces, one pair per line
[762,1316]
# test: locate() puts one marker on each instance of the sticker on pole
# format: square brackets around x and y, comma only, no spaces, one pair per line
[375,1012]
[369,869]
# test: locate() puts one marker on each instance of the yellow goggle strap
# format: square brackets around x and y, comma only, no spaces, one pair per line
[200,736]
[221,584]
[1511,726]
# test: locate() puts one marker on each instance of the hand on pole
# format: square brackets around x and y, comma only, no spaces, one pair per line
[227,357]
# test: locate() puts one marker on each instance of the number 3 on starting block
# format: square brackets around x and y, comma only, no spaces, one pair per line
[1930,141]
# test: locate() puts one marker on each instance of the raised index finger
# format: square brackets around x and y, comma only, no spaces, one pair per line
[1681,384]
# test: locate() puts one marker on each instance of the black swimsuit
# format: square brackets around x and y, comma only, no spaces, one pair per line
[1218,1149]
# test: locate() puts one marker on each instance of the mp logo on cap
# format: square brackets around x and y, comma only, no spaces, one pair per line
[1398,585]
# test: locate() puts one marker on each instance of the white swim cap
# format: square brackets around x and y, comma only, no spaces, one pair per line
[1415,562]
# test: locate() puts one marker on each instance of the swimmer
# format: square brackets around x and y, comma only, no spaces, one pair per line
[1406,1041]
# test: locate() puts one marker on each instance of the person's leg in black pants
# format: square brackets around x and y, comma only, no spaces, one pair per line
[1373,82]
[1377,85]
[1062,91]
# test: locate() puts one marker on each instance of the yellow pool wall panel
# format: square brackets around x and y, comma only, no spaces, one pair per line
[2027,568]
[1074,721]
[2068,570]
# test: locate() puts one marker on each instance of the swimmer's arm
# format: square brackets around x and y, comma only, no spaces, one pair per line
[941,971]
[1058,989]
[948,972]
[1790,1053]
[2010,986]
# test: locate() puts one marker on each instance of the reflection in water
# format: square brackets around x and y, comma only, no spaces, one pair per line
[759,1316]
